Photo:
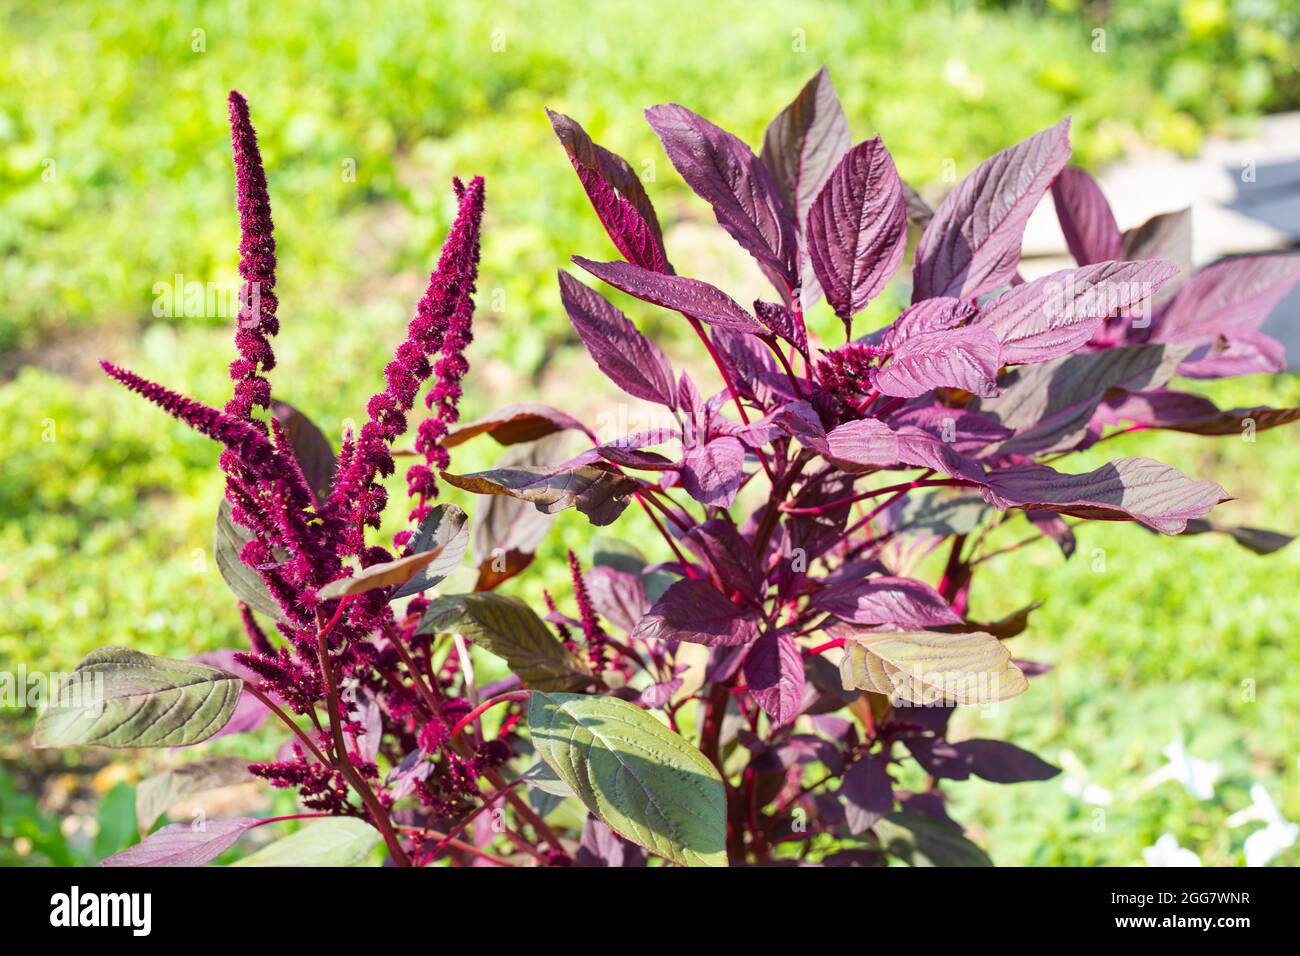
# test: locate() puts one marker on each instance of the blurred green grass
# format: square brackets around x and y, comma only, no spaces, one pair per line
[108,505]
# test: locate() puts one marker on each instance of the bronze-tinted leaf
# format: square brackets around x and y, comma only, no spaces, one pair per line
[517,423]
[600,494]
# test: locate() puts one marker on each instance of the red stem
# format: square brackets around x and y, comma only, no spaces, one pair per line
[731,388]
[873,493]
[488,705]
[458,829]
[378,814]
[828,646]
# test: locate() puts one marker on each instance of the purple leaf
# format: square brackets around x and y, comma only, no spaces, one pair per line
[601,846]
[774,675]
[711,473]
[857,229]
[311,449]
[1058,313]
[185,844]
[928,315]
[1232,293]
[972,245]
[514,424]
[1239,352]
[966,358]
[616,194]
[868,794]
[1014,623]
[814,534]
[965,431]
[1050,525]
[783,323]
[861,444]
[1257,540]
[1050,405]
[633,362]
[903,603]
[727,555]
[753,369]
[922,449]
[250,713]
[933,718]
[726,174]
[938,757]
[697,612]
[854,446]
[1000,762]
[628,451]
[800,420]
[1138,489]
[1167,236]
[688,296]
[619,597]
[1086,220]
[1157,408]
[1182,412]
[413,769]
[724,662]
[369,716]
[919,212]
[657,696]
[804,143]
[1230,298]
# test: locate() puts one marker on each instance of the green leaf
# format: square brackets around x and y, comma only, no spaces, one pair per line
[116,818]
[920,840]
[118,697]
[168,788]
[446,529]
[510,629]
[618,554]
[631,771]
[927,667]
[338,841]
[540,776]
[628,558]
[597,492]
[239,577]
[942,512]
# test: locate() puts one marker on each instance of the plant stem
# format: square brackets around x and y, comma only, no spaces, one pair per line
[821,648]
[459,828]
[458,844]
[288,722]
[487,705]
[376,810]
[731,388]
[873,493]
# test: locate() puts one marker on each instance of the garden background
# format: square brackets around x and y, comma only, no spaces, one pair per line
[115,177]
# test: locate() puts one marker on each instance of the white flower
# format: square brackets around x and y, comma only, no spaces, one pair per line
[1197,776]
[1167,852]
[1087,792]
[1075,783]
[1277,835]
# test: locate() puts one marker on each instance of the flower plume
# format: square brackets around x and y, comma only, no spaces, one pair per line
[257,320]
